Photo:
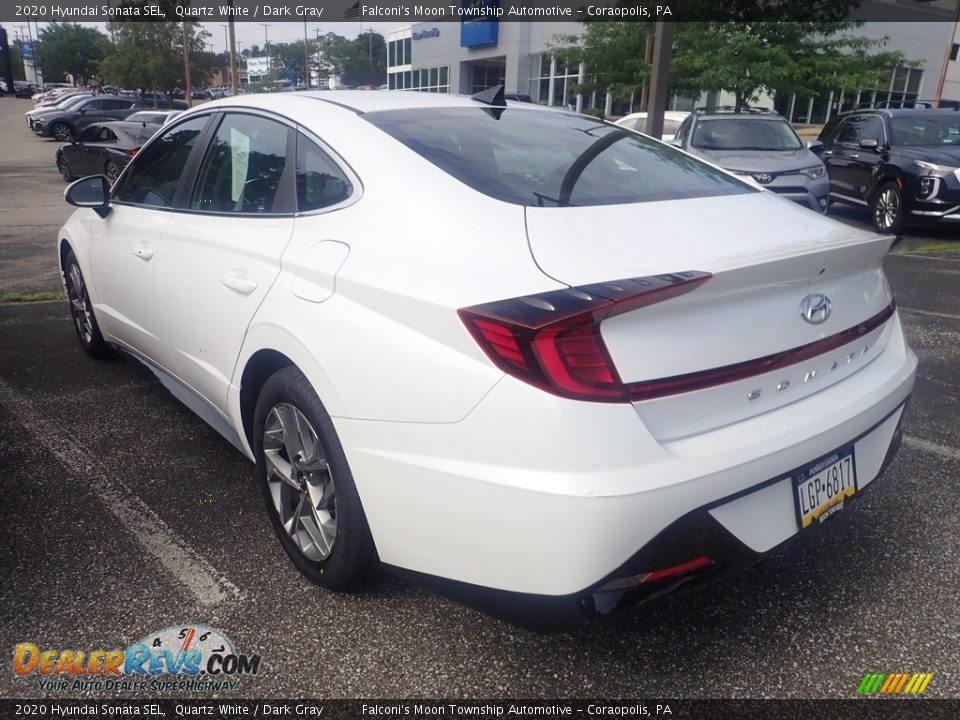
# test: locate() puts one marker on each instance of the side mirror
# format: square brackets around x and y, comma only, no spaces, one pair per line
[815,146]
[90,192]
[73,139]
[869,144]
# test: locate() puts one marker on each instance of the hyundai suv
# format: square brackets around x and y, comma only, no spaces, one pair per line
[904,165]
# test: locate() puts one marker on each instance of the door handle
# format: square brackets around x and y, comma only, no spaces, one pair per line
[144,252]
[854,155]
[240,284]
[828,153]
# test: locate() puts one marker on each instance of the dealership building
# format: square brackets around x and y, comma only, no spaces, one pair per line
[472,56]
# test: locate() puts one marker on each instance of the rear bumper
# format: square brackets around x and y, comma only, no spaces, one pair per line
[543,501]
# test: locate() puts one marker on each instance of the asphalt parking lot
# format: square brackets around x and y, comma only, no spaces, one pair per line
[122,513]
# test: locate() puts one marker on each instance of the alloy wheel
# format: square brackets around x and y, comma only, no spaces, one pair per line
[112,172]
[300,481]
[79,304]
[62,132]
[64,167]
[887,210]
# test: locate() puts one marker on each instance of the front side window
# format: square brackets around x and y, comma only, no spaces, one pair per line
[152,179]
[543,158]
[243,168]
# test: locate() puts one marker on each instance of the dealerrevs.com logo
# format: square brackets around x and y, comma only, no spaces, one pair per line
[189,657]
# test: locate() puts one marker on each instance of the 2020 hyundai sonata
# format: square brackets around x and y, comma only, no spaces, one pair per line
[521,350]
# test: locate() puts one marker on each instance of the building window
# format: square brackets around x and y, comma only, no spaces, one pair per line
[564,79]
[436,79]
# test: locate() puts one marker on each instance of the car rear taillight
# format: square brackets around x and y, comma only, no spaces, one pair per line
[132,151]
[552,340]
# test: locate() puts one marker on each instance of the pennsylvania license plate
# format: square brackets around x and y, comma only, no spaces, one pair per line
[822,487]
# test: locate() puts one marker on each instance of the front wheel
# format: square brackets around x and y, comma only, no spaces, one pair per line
[887,209]
[81,310]
[307,485]
[62,132]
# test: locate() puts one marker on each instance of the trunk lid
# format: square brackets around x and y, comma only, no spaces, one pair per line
[766,256]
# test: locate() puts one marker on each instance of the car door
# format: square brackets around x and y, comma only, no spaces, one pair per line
[126,245]
[90,112]
[118,108]
[223,253]
[862,161]
[78,154]
[843,149]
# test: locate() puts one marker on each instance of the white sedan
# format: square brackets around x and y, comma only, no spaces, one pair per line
[516,349]
[672,120]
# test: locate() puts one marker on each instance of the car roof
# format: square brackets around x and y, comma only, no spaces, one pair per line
[899,112]
[360,101]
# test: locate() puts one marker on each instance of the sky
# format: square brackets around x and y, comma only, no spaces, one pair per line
[249,34]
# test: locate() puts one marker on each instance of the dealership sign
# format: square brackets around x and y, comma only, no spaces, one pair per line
[431,33]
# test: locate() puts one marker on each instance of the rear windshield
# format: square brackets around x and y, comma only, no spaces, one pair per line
[740,134]
[549,159]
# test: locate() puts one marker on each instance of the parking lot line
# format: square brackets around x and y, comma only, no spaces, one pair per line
[938,258]
[154,536]
[935,448]
[930,313]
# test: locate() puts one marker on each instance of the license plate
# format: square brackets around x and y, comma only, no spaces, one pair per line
[822,487]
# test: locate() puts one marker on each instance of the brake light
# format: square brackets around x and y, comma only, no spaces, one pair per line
[552,340]
[132,151]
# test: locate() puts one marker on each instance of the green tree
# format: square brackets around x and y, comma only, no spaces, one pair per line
[749,58]
[742,57]
[149,56]
[70,49]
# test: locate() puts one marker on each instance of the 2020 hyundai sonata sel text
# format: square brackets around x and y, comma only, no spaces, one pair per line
[521,350]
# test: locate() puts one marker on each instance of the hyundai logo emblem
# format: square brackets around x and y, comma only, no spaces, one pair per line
[763,178]
[815,308]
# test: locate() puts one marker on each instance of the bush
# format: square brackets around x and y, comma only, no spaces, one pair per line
[593,112]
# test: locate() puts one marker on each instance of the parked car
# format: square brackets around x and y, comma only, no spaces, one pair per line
[67,122]
[66,103]
[153,117]
[103,149]
[518,395]
[54,97]
[761,145]
[672,120]
[24,91]
[159,101]
[904,165]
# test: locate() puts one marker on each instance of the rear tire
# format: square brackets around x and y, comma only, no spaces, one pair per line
[886,210]
[307,485]
[81,310]
[63,165]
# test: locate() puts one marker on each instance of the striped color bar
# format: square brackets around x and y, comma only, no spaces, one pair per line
[894,684]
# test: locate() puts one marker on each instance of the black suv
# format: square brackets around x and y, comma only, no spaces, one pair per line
[902,164]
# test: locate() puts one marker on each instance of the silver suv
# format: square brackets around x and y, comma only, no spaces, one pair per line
[761,145]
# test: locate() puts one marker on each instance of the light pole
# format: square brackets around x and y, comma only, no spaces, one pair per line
[317,31]
[266,42]
[306,58]
[188,94]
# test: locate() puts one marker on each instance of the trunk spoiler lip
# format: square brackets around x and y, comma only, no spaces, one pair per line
[703,379]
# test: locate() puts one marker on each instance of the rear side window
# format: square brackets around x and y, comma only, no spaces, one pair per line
[320,182]
[543,158]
